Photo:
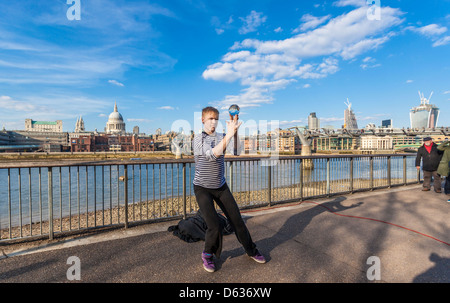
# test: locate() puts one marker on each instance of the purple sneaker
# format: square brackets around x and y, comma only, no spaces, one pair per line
[258,257]
[208,262]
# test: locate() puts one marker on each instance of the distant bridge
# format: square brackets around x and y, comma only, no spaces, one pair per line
[381,132]
[306,136]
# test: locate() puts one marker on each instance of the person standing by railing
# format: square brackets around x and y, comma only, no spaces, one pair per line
[430,156]
[443,168]
[210,185]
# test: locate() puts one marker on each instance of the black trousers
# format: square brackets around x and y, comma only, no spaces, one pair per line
[225,200]
[447,185]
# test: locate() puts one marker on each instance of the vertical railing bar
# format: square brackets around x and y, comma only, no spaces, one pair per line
[146,191]
[78,197]
[328,177]
[351,175]
[40,200]
[153,194]
[140,191]
[258,181]
[110,194]
[118,194]
[103,195]
[87,198]
[247,166]
[300,165]
[389,171]
[269,183]
[30,210]
[20,202]
[60,199]
[292,185]
[371,173]
[70,198]
[178,188]
[165,188]
[171,185]
[125,167]
[50,203]
[190,189]
[184,190]
[160,187]
[132,183]
[231,176]
[404,170]
[9,203]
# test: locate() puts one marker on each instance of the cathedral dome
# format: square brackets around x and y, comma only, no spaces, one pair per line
[115,124]
[115,116]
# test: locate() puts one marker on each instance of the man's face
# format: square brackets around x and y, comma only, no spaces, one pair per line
[210,121]
[428,143]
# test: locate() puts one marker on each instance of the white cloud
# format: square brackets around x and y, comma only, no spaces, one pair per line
[310,22]
[409,81]
[220,27]
[331,119]
[105,53]
[369,62]
[357,3]
[115,82]
[220,31]
[50,107]
[310,55]
[7,103]
[443,41]
[278,30]
[338,35]
[166,107]
[252,22]
[351,51]
[139,120]
[429,30]
[432,31]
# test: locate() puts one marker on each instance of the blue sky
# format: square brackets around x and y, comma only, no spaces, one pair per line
[163,61]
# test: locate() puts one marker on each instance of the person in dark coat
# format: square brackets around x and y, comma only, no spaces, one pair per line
[430,156]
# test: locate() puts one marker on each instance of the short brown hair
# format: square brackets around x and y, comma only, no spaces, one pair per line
[209,109]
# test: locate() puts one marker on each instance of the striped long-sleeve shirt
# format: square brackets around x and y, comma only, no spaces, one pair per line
[209,169]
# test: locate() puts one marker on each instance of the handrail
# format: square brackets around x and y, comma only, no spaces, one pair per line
[189,159]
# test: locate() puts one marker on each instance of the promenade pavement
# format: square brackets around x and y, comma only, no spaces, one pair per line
[387,235]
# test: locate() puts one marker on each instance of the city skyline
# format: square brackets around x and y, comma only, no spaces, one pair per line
[163,62]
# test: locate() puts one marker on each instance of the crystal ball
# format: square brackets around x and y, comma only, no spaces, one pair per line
[234,110]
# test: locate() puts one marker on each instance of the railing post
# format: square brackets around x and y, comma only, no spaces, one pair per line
[301,179]
[269,181]
[184,190]
[231,175]
[328,177]
[404,170]
[351,175]
[50,204]
[9,203]
[371,173]
[125,184]
[389,171]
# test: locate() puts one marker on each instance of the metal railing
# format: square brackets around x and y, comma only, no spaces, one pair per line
[48,199]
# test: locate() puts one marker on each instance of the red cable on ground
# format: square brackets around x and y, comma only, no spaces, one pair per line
[357,217]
